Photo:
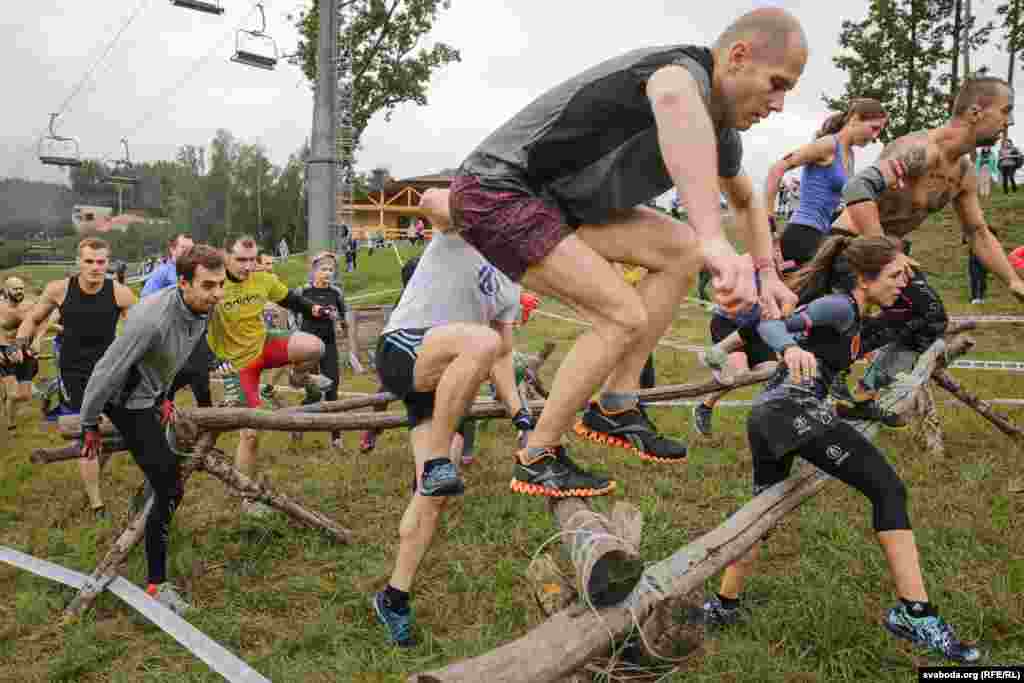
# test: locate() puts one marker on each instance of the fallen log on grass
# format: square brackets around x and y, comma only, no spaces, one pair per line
[250,488]
[605,555]
[1001,422]
[565,642]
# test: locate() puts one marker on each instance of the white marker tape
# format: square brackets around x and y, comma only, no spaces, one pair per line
[195,641]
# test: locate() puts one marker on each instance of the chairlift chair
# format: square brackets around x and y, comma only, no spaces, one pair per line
[124,172]
[200,6]
[58,150]
[256,48]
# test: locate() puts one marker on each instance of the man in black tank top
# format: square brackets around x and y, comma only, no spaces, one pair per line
[90,306]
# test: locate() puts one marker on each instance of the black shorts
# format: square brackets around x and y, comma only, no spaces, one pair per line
[25,371]
[799,243]
[756,350]
[72,387]
[396,361]
[785,424]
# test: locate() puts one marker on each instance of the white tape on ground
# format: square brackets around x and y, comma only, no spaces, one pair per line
[680,403]
[195,641]
[370,295]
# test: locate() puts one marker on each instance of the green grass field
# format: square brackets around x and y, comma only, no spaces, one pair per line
[295,605]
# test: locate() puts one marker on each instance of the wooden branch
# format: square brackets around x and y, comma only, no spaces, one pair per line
[44,456]
[1002,423]
[607,564]
[955,327]
[106,570]
[193,420]
[566,641]
[243,484]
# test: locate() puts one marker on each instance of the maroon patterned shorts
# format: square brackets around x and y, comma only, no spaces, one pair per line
[512,230]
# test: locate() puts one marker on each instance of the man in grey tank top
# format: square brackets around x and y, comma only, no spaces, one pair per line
[556,194]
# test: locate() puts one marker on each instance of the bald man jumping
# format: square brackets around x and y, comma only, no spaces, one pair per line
[554,197]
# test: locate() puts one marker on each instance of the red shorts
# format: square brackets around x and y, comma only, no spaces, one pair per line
[512,230]
[245,385]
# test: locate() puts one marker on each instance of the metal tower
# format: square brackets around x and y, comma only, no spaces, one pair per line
[344,145]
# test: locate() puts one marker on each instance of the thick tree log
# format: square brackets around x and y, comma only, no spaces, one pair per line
[226,419]
[1002,423]
[607,564]
[565,642]
[44,456]
[243,484]
[106,570]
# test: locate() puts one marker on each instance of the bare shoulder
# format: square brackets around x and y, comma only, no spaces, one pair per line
[915,150]
[54,291]
[124,295]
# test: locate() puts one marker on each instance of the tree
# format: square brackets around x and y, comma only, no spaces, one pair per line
[895,54]
[388,65]
[1013,31]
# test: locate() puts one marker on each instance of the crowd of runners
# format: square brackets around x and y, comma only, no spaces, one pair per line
[554,202]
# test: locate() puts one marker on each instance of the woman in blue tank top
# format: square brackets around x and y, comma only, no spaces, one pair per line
[827,163]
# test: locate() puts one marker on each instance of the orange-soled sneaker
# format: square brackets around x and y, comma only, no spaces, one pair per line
[630,429]
[549,472]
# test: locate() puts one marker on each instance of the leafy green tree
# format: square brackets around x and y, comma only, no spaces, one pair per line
[389,66]
[895,55]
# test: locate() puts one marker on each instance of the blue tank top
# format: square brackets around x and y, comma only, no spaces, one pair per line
[821,188]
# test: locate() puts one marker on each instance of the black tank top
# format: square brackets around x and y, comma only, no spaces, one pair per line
[90,325]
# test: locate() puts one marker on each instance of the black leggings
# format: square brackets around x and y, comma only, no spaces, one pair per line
[799,243]
[145,438]
[195,374]
[329,365]
[1009,179]
[845,454]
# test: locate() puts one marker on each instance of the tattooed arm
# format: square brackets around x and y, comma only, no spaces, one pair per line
[903,160]
[819,151]
[980,239]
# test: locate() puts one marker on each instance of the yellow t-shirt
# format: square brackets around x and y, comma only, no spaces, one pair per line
[236,331]
[633,274]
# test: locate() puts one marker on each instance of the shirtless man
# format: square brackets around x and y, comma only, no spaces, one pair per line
[921,173]
[90,306]
[555,196]
[17,378]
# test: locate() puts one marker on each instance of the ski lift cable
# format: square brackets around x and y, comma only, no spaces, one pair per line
[188,75]
[106,52]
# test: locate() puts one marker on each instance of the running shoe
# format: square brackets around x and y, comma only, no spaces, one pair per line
[840,389]
[440,478]
[713,614]
[398,624]
[267,393]
[630,429]
[167,595]
[931,632]
[717,361]
[551,473]
[702,419]
[870,411]
[319,382]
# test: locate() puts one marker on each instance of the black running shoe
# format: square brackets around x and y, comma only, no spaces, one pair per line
[840,389]
[631,429]
[551,473]
[870,411]
[713,614]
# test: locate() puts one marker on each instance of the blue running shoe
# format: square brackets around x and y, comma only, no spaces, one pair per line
[440,478]
[713,614]
[930,632]
[398,624]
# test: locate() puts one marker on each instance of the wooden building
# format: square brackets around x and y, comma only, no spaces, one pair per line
[391,211]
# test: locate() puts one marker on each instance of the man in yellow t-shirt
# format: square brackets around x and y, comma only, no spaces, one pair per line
[243,346]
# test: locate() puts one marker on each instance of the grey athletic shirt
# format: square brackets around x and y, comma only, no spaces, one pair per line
[590,144]
[136,370]
[454,283]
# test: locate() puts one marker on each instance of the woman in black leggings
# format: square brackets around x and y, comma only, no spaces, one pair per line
[792,418]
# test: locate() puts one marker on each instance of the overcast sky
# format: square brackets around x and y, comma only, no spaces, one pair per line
[512,51]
